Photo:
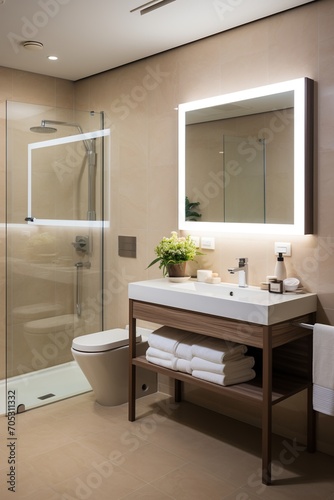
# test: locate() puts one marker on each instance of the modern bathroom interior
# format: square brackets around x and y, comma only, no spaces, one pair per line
[63,218]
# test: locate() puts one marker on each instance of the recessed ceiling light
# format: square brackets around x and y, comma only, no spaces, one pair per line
[52,58]
[32,45]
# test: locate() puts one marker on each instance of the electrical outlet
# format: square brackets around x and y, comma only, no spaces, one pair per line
[207,243]
[283,247]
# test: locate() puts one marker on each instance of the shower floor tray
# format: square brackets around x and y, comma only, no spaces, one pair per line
[44,386]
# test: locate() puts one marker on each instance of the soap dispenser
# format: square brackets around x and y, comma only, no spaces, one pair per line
[280,271]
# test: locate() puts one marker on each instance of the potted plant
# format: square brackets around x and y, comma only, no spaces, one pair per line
[173,254]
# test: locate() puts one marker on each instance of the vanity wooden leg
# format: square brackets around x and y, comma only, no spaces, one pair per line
[311,414]
[311,422]
[177,391]
[132,368]
[267,405]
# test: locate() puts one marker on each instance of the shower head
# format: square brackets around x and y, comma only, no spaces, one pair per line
[42,129]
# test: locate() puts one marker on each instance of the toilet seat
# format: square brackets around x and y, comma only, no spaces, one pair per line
[51,325]
[36,311]
[103,341]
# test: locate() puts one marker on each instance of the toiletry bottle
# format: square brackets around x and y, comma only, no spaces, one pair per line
[280,271]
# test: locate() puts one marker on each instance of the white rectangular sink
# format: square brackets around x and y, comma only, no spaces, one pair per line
[227,300]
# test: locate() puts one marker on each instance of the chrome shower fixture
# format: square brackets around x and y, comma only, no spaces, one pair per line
[42,129]
[90,146]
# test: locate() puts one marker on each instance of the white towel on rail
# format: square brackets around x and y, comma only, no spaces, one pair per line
[218,350]
[323,369]
[228,368]
[225,380]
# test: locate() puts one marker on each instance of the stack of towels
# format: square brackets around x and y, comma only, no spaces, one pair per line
[207,358]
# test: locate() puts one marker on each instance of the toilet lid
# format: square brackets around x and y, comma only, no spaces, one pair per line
[36,311]
[51,325]
[103,341]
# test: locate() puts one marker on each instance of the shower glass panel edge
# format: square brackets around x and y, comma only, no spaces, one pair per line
[47,265]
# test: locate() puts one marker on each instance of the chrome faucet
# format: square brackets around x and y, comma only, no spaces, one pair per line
[242,269]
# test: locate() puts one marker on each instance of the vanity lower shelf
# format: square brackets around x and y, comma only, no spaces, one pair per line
[282,353]
[283,386]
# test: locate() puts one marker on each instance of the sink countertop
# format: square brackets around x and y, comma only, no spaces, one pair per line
[250,304]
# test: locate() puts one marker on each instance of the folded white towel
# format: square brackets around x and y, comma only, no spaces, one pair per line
[184,349]
[323,368]
[166,363]
[183,365]
[158,353]
[167,339]
[217,350]
[231,367]
[225,380]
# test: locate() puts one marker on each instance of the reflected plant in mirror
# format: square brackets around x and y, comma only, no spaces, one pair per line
[190,207]
[247,159]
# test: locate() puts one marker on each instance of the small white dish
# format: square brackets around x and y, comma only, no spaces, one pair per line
[181,279]
[291,284]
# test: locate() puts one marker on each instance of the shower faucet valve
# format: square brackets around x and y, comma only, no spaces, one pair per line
[81,244]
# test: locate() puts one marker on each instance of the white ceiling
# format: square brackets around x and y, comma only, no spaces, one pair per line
[91,36]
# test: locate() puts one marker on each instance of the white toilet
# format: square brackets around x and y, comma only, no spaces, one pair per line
[50,339]
[104,360]
[17,347]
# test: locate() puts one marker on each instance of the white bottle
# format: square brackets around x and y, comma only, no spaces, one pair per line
[280,271]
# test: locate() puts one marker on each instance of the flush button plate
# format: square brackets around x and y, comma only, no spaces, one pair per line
[127,246]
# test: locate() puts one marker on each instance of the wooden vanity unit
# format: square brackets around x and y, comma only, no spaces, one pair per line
[283,354]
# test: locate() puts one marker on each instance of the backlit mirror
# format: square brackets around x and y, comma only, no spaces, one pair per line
[245,161]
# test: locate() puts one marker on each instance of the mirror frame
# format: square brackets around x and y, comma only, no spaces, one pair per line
[303,159]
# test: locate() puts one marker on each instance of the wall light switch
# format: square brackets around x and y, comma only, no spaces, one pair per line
[208,243]
[283,247]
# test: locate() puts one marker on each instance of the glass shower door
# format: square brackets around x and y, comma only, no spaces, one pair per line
[245,192]
[55,226]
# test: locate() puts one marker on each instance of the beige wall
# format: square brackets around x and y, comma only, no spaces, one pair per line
[140,100]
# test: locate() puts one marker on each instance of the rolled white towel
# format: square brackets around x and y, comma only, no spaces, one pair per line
[166,363]
[218,350]
[167,339]
[184,349]
[225,380]
[229,368]
[183,365]
[158,353]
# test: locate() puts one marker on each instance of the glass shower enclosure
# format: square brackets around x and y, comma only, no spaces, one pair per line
[55,225]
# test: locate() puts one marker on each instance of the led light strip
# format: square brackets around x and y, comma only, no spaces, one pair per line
[150,7]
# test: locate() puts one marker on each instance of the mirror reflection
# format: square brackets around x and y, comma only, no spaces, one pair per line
[242,159]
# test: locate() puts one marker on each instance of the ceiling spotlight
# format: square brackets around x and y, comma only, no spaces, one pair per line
[53,58]
[32,45]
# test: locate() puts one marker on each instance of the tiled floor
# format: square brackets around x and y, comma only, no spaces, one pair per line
[77,449]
